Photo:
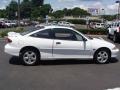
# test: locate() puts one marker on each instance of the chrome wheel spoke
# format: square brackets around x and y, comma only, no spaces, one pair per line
[29,57]
[102,56]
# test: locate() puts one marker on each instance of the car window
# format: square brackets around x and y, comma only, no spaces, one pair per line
[66,34]
[42,34]
[31,29]
[98,24]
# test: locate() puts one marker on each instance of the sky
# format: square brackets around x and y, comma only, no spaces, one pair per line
[109,5]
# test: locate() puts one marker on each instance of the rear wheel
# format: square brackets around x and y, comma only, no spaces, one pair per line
[30,57]
[102,56]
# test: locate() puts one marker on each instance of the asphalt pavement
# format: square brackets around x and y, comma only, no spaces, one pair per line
[57,75]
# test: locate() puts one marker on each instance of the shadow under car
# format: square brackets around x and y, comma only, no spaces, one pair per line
[17,61]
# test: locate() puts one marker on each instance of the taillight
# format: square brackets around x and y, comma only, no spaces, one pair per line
[8,40]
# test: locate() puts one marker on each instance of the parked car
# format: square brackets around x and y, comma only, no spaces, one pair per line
[114,31]
[8,24]
[58,42]
[14,23]
[53,23]
[47,24]
[99,25]
[64,23]
[2,24]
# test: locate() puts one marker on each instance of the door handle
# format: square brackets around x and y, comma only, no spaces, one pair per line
[58,42]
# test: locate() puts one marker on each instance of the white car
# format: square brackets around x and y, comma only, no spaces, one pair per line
[57,42]
[114,31]
[8,24]
[100,25]
[67,24]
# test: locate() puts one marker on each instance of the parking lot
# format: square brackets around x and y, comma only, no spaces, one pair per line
[57,75]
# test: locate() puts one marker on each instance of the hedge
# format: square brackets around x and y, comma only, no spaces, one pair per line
[93,31]
[74,21]
[4,32]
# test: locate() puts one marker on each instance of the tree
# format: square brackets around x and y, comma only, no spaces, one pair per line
[35,13]
[69,12]
[45,10]
[41,11]
[11,10]
[79,12]
[58,14]
[26,9]
[37,3]
[2,13]
[109,17]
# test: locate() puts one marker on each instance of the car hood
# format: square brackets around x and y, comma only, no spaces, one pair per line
[99,42]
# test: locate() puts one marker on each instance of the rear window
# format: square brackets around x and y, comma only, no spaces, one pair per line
[31,29]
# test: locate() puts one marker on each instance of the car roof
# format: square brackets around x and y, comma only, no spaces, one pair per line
[55,26]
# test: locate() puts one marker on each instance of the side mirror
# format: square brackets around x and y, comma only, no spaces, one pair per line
[84,39]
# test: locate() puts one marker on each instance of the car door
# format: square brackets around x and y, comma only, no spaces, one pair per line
[68,44]
[44,42]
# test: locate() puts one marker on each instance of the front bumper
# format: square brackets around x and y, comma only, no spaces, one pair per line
[114,53]
[11,50]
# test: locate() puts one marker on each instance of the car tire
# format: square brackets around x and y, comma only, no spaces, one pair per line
[30,57]
[102,56]
[108,36]
[115,38]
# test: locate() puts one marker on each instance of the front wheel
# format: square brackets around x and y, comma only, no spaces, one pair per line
[30,57]
[102,57]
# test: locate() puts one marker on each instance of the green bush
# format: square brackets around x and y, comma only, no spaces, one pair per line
[93,31]
[4,33]
[74,21]
[81,21]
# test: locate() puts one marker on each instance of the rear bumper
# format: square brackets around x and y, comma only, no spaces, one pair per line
[11,50]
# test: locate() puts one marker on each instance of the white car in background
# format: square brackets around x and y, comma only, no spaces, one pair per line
[99,25]
[58,42]
[114,31]
[8,24]
[67,24]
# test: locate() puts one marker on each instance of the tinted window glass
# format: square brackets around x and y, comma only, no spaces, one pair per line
[29,30]
[79,37]
[66,34]
[42,34]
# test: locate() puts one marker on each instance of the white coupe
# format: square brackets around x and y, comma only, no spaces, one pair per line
[58,42]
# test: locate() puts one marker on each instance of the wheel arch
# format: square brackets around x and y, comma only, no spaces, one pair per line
[30,47]
[102,48]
